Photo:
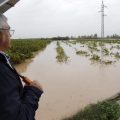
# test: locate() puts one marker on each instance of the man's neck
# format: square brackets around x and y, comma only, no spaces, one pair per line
[2,49]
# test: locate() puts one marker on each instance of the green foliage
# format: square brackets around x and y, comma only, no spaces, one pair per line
[23,49]
[117,55]
[61,56]
[106,62]
[105,51]
[107,110]
[118,47]
[95,58]
[101,51]
[81,52]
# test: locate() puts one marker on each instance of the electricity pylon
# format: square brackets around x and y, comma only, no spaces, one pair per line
[102,19]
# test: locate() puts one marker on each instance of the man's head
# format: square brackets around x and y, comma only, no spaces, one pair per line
[4,33]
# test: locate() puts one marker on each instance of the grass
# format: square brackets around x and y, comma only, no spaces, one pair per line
[106,62]
[95,57]
[81,52]
[93,48]
[61,55]
[106,110]
[67,43]
[23,49]
[118,47]
[117,55]
[105,51]
[99,47]
[73,42]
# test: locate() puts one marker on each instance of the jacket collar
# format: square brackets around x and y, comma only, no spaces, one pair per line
[2,52]
[4,60]
[2,57]
[5,56]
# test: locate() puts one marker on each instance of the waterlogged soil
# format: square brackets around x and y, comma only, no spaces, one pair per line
[69,87]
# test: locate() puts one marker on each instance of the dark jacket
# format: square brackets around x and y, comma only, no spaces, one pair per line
[17,102]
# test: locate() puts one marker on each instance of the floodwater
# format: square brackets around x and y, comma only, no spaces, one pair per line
[69,87]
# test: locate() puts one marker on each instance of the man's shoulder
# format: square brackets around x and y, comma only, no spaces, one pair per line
[5,71]
[2,58]
[2,66]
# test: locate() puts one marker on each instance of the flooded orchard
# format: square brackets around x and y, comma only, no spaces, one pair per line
[88,73]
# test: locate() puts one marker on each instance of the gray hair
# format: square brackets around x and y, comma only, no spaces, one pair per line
[3,21]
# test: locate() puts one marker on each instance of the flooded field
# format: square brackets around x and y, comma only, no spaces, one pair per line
[73,75]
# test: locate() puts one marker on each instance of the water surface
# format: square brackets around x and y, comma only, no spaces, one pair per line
[69,87]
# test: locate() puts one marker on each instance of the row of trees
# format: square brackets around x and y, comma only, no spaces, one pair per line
[115,36]
[60,38]
[93,36]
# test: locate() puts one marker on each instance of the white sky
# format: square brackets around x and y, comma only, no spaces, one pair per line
[49,18]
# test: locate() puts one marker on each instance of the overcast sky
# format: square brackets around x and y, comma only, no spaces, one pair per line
[48,18]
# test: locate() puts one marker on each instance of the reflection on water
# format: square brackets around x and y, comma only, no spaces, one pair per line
[23,67]
[69,87]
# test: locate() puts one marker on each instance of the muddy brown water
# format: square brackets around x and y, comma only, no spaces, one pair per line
[72,86]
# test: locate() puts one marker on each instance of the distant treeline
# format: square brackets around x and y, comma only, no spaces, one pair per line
[93,36]
[60,38]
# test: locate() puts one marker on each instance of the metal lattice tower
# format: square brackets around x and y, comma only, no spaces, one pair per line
[102,19]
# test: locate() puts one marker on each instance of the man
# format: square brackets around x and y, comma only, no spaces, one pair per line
[17,102]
